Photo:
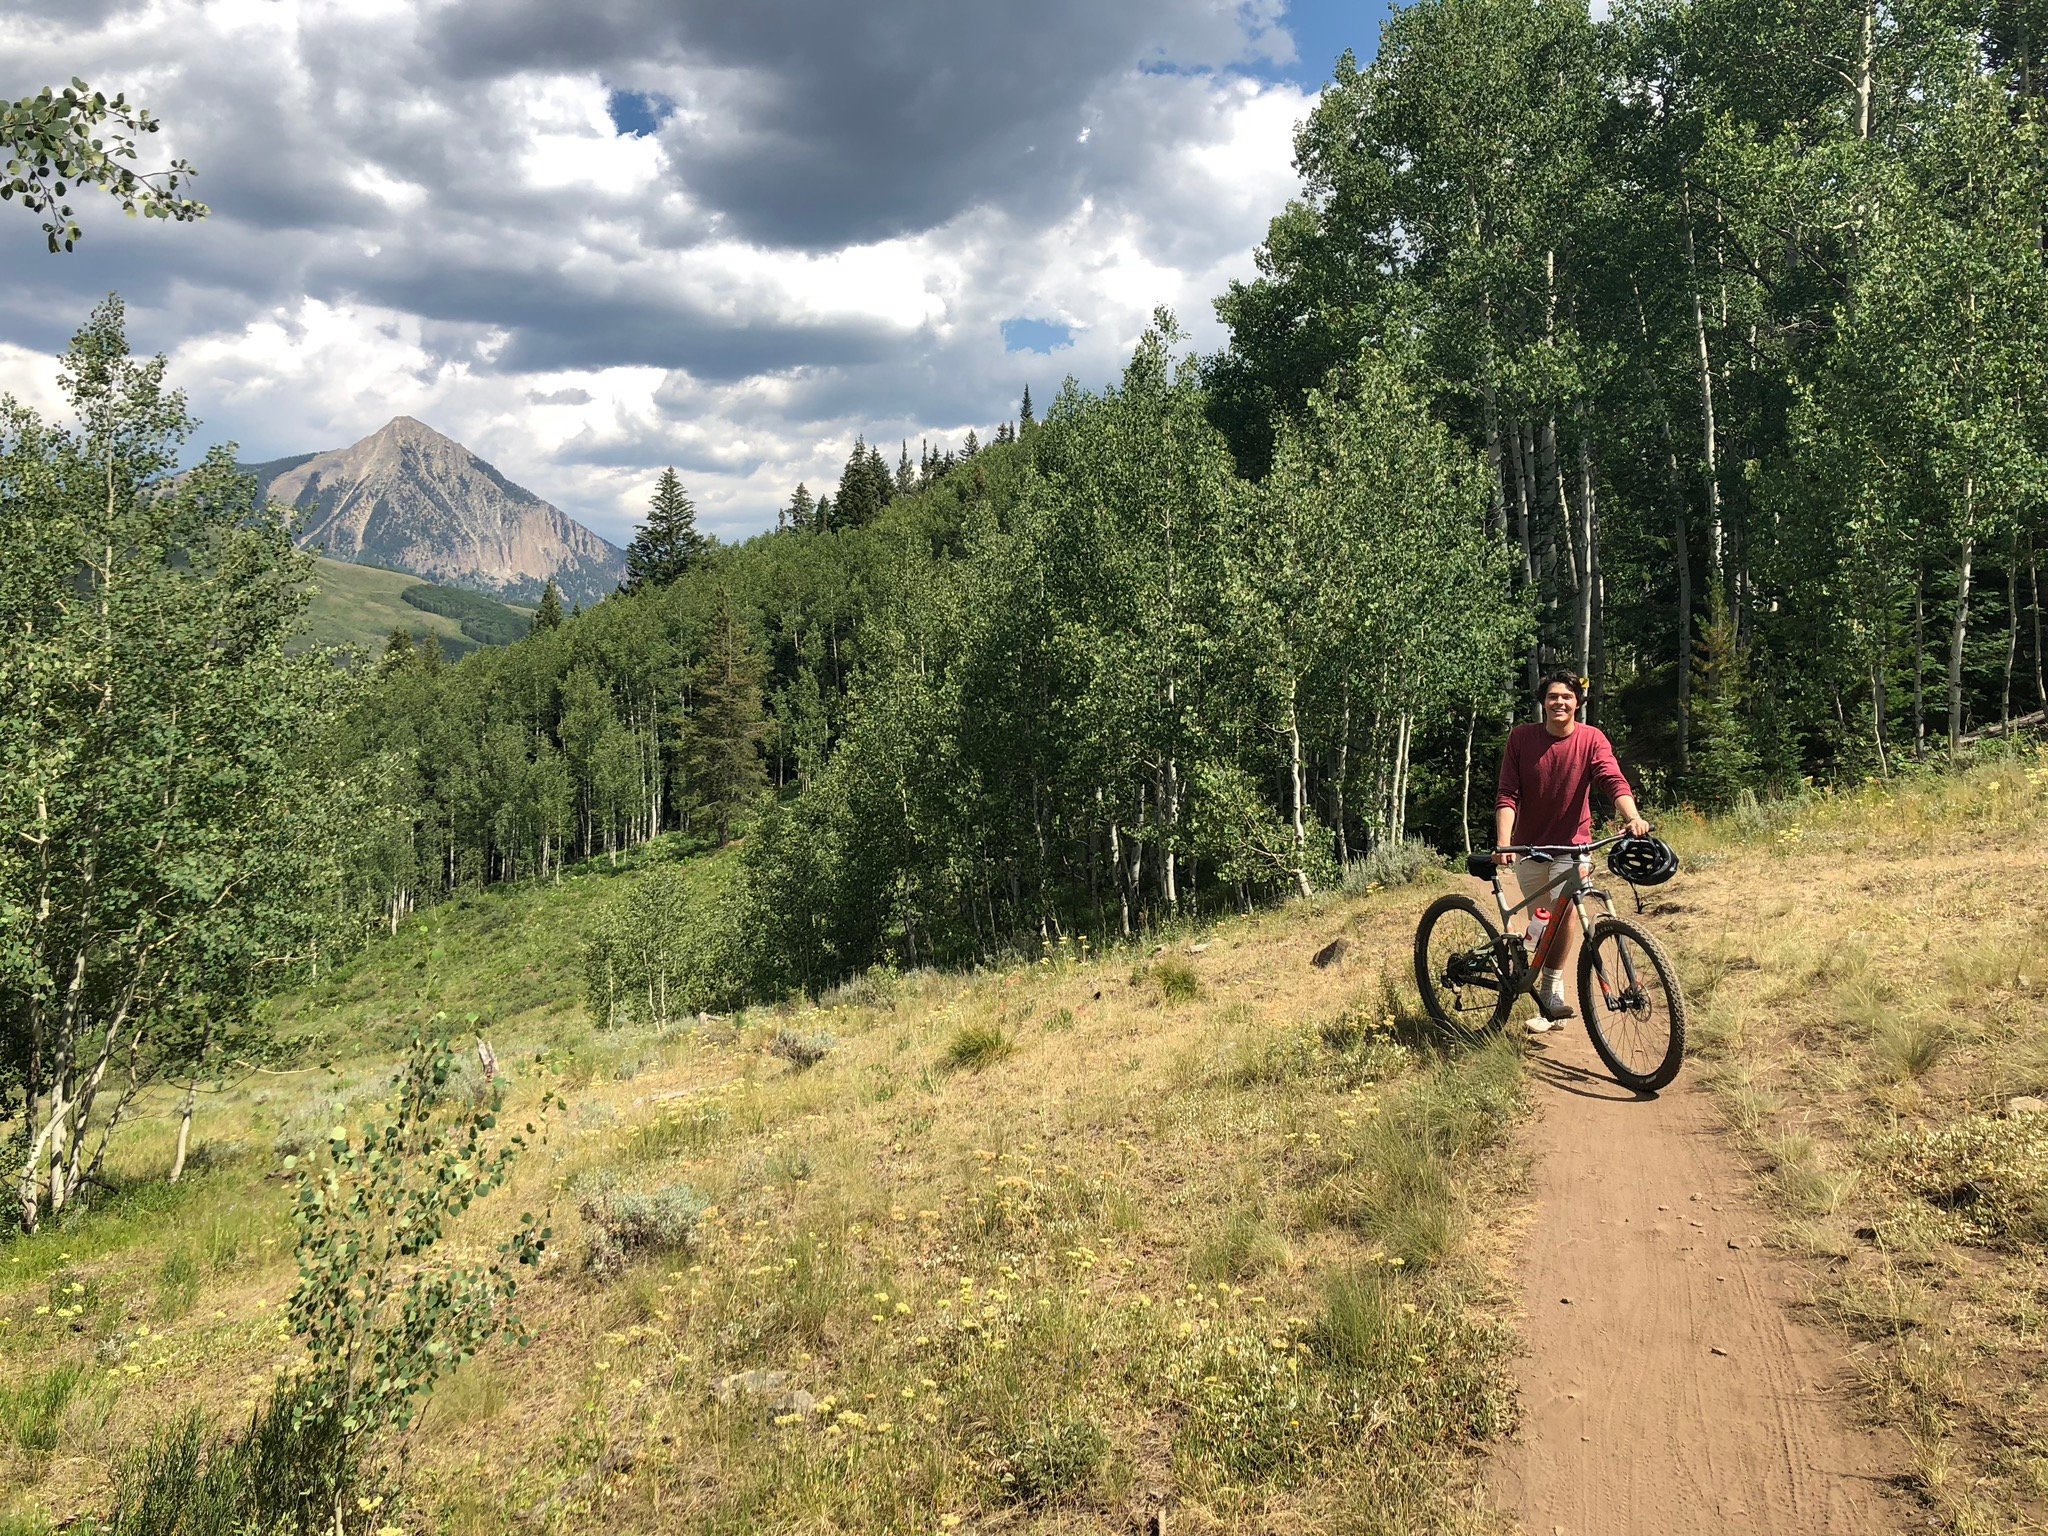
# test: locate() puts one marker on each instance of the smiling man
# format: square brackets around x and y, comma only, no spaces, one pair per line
[1547,775]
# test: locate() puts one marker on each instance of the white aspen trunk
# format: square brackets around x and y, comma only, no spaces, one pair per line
[1384,751]
[1116,873]
[1496,488]
[1884,769]
[1400,807]
[1568,539]
[1523,476]
[1169,866]
[1496,500]
[184,1130]
[1300,828]
[1919,658]
[1865,71]
[2012,629]
[2034,580]
[1465,798]
[1716,554]
[1960,632]
[1589,557]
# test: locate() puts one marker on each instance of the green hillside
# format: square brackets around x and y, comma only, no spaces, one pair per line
[360,605]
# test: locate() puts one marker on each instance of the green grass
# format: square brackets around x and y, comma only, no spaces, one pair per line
[359,605]
[1177,980]
[32,1410]
[975,1046]
[513,957]
[1085,1273]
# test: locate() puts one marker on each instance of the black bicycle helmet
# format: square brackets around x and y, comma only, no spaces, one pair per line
[1642,860]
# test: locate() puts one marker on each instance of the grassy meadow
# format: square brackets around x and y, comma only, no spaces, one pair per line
[1193,1232]
[359,605]
[1071,1242]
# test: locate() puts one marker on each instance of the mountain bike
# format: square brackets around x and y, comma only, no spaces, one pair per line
[1471,969]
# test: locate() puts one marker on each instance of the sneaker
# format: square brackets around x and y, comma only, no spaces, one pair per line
[1555,1009]
[1540,1025]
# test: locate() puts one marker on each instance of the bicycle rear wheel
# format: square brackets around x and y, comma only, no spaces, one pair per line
[1461,966]
[1630,999]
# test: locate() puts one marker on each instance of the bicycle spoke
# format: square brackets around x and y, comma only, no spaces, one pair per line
[1633,1009]
[1458,967]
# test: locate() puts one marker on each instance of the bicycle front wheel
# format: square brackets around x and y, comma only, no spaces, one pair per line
[1461,966]
[1631,1002]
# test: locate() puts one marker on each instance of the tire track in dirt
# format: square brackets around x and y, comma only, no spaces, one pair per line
[1667,1387]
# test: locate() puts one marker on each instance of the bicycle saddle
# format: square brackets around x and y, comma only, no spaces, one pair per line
[1481,866]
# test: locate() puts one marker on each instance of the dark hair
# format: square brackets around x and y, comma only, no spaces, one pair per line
[1571,680]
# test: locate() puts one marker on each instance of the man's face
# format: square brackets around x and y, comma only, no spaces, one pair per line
[1560,704]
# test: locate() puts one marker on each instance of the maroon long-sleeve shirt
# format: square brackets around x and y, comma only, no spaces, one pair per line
[1549,781]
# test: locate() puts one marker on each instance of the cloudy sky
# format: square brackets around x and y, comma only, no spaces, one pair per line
[590,239]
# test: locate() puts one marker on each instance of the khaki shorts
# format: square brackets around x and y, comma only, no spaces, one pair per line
[1526,877]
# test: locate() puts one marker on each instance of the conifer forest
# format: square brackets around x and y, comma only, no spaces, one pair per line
[1698,349]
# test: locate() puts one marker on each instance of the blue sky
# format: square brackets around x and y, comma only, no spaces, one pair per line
[593,241]
[1323,29]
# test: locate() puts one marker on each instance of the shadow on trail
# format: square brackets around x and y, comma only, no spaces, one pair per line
[1567,1078]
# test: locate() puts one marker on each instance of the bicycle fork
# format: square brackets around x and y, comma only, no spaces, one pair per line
[1632,983]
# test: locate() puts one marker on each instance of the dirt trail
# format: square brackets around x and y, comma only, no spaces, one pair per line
[1668,1388]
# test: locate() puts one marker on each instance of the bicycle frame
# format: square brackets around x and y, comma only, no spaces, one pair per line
[1577,858]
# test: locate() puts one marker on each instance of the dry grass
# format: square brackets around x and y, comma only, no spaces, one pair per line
[1046,1244]
[1870,976]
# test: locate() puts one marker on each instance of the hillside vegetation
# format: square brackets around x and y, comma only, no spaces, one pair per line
[360,605]
[1194,1227]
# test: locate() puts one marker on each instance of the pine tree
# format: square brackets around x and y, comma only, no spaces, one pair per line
[398,653]
[723,735]
[906,478]
[800,512]
[863,486]
[878,477]
[668,543]
[1724,758]
[549,614]
[1025,419]
[973,445]
[826,512]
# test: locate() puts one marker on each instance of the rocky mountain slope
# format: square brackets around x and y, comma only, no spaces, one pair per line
[411,499]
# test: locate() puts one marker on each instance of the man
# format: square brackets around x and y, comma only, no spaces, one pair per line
[1547,776]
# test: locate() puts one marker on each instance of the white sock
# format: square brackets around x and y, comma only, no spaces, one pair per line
[1551,985]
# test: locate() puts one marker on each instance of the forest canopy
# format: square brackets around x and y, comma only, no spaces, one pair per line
[1697,349]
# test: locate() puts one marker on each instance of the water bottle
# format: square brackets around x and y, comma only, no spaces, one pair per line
[1539,924]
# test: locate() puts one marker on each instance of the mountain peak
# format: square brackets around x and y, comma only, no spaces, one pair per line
[414,499]
[409,426]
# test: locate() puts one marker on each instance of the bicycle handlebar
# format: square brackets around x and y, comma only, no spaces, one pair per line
[1548,850]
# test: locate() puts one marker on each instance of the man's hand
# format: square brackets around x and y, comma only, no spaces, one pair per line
[1503,858]
[1631,817]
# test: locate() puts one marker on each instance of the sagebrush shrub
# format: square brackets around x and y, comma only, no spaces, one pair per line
[801,1049]
[1389,864]
[1991,1173]
[624,1222]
